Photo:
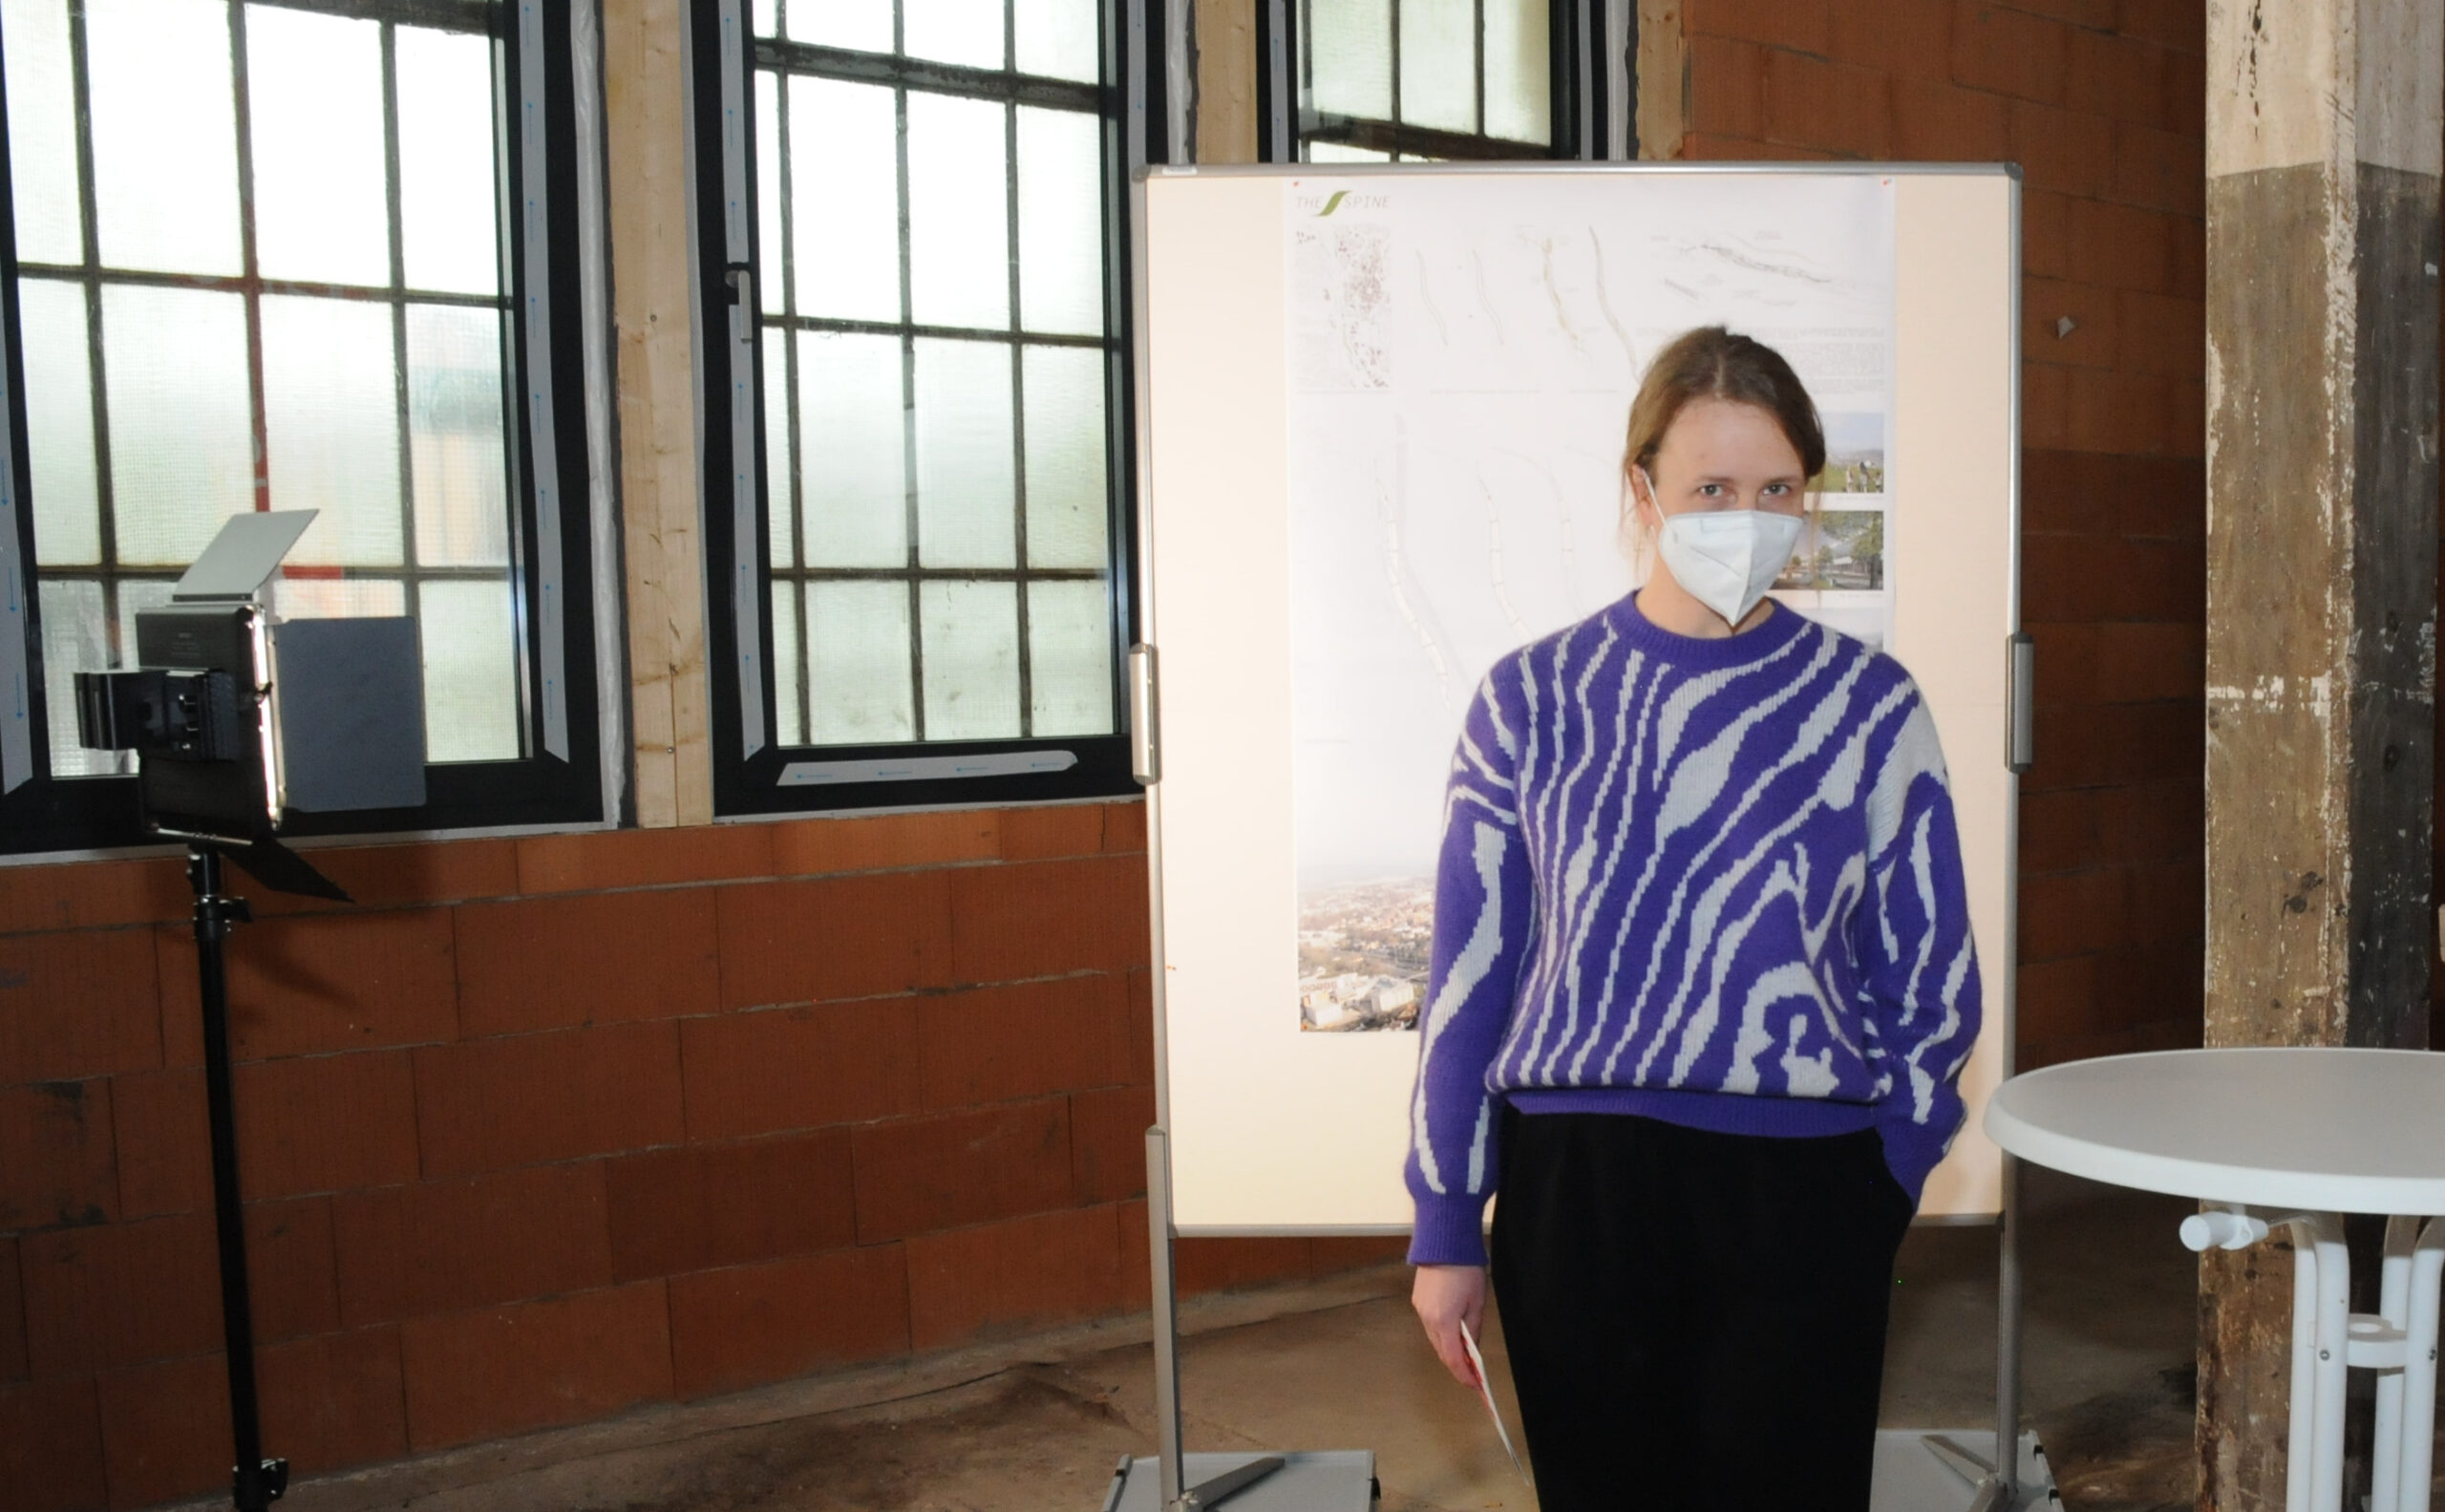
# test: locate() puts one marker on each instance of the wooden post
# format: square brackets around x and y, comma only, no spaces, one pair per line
[2323,141]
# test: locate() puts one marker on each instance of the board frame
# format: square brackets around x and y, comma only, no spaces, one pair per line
[1975,1195]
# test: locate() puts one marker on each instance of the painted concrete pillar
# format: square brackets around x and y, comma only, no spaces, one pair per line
[2324,133]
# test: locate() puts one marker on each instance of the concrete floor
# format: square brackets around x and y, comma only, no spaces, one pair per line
[1038,1424]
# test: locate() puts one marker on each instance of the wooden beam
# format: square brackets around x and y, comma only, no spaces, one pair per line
[1226,81]
[1663,65]
[2324,139]
[646,137]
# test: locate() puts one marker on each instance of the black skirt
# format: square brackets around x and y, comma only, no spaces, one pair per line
[1695,1320]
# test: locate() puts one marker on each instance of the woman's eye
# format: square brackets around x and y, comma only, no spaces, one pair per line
[1710,490]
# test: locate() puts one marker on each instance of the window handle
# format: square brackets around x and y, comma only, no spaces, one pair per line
[741,280]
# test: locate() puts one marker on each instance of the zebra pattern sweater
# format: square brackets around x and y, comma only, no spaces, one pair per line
[1711,881]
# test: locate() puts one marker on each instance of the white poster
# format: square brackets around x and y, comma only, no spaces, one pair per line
[1462,354]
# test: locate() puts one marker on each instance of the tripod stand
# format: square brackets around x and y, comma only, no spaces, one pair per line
[256,1482]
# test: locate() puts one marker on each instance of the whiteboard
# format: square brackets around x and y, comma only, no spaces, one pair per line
[1275,1128]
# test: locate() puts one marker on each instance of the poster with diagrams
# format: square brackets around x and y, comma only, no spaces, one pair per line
[1462,358]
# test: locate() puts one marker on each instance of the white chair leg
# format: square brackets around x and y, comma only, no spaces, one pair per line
[2427,1272]
[2394,1298]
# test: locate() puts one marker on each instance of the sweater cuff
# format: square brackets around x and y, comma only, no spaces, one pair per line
[1449,1231]
[1911,1152]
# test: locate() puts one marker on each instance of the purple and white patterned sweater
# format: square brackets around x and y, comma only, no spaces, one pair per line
[1712,882]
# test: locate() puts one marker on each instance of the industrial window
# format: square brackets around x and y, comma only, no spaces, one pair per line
[305,255]
[1411,80]
[914,367]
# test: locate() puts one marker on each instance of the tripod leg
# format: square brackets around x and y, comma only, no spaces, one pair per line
[256,1482]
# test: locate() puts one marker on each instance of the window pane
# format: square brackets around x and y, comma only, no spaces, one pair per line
[958,217]
[790,714]
[331,424]
[953,31]
[165,135]
[470,677]
[1062,38]
[971,660]
[455,437]
[779,510]
[71,641]
[1061,221]
[1518,85]
[1064,441]
[327,598]
[844,186]
[773,295]
[853,445]
[1336,152]
[858,664]
[42,130]
[1349,53]
[182,446]
[449,203]
[1439,63]
[314,115]
[1069,658]
[963,484]
[861,24]
[59,422]
[135,596]
[767,13]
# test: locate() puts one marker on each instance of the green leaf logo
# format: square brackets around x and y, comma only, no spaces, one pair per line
[1333,203]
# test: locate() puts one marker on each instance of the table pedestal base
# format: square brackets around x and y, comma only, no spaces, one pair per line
[2398,1342]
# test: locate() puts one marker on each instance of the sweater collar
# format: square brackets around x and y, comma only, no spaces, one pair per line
[1696,653]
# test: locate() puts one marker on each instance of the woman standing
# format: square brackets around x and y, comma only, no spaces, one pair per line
[1702,983]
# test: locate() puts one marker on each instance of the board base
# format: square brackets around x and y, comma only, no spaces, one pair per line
[1331,1480]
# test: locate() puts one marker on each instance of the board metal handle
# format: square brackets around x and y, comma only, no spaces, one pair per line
[2020,733]
[1145,757]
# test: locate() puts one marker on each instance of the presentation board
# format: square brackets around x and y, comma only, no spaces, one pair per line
[1382,415]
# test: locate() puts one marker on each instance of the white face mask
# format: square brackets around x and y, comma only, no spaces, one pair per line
[1726,559]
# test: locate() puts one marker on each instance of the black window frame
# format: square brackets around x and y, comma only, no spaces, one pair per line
[1591,45]
[751,772]
[567,777]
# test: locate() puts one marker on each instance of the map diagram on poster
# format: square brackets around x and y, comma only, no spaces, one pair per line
[1460,380]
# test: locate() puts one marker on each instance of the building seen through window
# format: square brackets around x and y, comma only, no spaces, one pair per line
[261,265]
[932,184]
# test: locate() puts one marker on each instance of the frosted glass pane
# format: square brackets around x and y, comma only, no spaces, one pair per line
[781,518]
[1061,38]
[331,422]
[314,99]
[856,664]
[861,24]
[455,437]
[470,675]
[42,130]
[1069,658]
[971,651]
[326,598]
[135,596]
[59,422]
[958,212]
[963,484]
[182,446]
[165,133]
[772,272]
[1066,503]
[844,186]
[767,17]
[953,31]
[789,720]
[1519,81]
[1439,63]
[1061,221]
[853,451]
[73,642]
[449,203]
[1350,56]
[1336,152]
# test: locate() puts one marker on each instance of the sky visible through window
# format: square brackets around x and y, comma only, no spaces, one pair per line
[931,208]
[260,260]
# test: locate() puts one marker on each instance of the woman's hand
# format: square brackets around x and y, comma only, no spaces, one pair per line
[1446,1297]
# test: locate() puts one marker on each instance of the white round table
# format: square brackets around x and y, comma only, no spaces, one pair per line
[2278,1137]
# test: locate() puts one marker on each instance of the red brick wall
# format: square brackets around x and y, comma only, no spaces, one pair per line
[545,1128]
[2102,104]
